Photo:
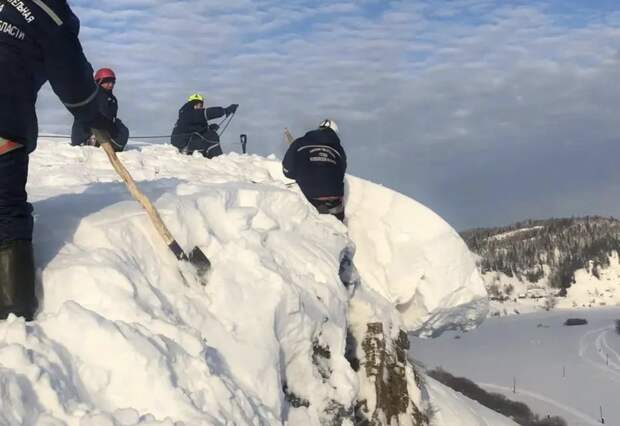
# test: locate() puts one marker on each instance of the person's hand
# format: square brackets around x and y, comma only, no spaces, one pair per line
[106,126]
[214,127]
[101,122]
[231,109]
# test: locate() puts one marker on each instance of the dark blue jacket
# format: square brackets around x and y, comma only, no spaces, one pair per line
[39,42]
[108,107]
[318,163]
[195,121]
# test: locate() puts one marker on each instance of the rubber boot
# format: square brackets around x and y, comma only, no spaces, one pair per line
[17,292]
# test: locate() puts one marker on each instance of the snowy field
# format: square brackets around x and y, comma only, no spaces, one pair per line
[126,335]
[559,370]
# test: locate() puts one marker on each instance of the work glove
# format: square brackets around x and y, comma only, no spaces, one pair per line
[231,109]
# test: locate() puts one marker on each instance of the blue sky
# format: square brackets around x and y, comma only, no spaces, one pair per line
[486,111]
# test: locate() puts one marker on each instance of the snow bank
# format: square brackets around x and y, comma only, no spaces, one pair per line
[126,335]
[413,258]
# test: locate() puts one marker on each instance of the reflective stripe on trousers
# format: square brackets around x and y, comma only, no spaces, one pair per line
[8,146]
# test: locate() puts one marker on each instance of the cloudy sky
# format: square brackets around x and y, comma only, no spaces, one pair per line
[487,111]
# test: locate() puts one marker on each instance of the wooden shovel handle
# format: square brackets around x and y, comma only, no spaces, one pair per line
[288,136]
[104,141]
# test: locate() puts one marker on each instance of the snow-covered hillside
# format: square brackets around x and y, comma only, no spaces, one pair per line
[126,335]
[594,287]
[542,264]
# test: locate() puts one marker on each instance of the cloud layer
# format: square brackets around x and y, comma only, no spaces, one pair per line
[486,111]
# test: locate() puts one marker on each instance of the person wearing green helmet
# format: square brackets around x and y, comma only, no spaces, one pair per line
[192,131]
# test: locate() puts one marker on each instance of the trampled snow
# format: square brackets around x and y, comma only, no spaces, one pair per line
[127,335]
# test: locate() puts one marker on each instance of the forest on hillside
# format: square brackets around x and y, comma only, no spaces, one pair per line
[564,245]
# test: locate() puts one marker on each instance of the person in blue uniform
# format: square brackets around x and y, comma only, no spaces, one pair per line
[317,162]
[81,133]
[192,131]
[38,43]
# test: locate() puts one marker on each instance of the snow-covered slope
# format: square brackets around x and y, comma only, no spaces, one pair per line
[126,335]
[452,408]
[542,264]
[594,287]
[571,372]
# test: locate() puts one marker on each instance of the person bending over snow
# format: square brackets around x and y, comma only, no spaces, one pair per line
[318,163]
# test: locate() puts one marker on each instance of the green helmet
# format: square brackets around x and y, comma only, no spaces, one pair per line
[195,97]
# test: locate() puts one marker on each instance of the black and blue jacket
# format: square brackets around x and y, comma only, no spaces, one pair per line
[39,42]
[108,107]
[193,122]
[318,163]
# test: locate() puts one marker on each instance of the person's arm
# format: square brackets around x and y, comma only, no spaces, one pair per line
[217,112]
[344,160]
[79,134]
[67,69]
[214,112]
[122,136]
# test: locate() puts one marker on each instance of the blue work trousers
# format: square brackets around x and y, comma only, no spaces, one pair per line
[15,211]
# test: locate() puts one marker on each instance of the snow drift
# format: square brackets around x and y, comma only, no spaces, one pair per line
[126,335]
[414,259]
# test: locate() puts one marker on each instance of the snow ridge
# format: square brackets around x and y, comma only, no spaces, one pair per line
[126,335]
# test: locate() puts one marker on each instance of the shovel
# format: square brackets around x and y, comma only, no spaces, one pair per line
[196,257]
[288,135]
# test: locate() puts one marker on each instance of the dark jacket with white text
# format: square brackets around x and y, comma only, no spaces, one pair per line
[318,163]
[39,44]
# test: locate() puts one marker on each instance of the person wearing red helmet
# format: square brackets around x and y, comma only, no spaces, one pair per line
[106,78]
[81,133]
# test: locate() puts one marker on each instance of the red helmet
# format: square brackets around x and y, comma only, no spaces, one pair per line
[104,73]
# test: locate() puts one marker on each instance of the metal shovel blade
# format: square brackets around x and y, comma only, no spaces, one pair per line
[200,261]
